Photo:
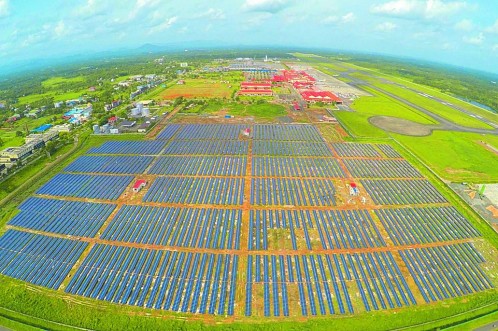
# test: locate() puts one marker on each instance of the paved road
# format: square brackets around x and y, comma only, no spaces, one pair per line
[489,327]
[444,123]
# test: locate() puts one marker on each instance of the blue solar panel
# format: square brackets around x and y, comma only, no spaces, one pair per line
[110,164]
[130,147]
[86,186]
[65,217]
[125,274]
[38,259]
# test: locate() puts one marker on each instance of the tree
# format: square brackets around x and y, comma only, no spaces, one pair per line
[50,147]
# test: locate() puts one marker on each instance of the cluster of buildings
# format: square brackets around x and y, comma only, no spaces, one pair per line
[12,155]
[79,115]
[302,82]
[305,85]
[148,81]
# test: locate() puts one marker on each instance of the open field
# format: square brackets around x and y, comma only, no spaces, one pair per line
[55,82]
[455,156]
[53,94]
[199,88]
[285,240]
[10,139]
[381,104]
[261,111]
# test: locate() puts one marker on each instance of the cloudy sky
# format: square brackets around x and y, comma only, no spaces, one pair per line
[460,32]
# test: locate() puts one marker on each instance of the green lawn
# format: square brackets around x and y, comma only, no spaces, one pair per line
[55,82]
[357,124]
[455,156]
[380,104]
[10,139]
[265,111]
[53,94]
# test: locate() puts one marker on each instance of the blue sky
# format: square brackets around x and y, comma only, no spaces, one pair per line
[457,32]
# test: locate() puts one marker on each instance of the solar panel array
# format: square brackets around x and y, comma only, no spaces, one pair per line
[110,164]
[86,186]
[248,227]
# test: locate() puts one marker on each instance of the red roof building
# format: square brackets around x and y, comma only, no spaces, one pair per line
[112,120]
[139,184]
[320,96]
[251,88]
[278,79]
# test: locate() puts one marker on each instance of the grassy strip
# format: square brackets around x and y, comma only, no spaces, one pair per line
[98,315]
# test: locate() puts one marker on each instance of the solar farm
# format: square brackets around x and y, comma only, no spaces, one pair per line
[281,224]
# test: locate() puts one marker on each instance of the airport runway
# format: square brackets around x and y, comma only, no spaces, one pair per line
[444,124]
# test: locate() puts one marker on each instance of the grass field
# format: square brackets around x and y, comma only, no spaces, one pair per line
[53,94]
[455,156]
[10,139]
[264,111]
[55,82]
[380,104]
[198,88]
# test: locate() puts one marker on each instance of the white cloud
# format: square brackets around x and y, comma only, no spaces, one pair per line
[447,46]
[386,27]
[146,3]
[212,14]
[464,25]
[164,25]
[438,8]
[90,8]
[4,8]
[495,48]
[474,40]
[396,8]
[412,9]
[348,18]
[332,20]
[258,19]
[269,6]
[493,28]
[60,29]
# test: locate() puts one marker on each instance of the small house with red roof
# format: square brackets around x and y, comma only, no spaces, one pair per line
[139,184]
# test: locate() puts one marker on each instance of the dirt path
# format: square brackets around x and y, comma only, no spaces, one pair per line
[162,124]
